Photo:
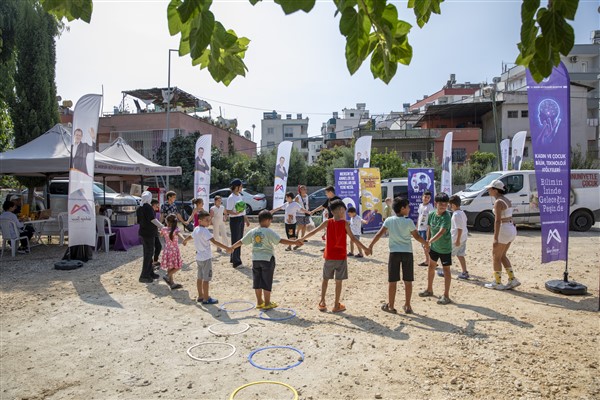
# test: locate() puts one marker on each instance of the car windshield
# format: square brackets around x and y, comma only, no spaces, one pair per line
[99,188]
[483,182]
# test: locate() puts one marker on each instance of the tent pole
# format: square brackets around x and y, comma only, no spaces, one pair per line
[104,188]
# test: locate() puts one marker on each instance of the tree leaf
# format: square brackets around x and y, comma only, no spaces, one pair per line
[201,33]
[424,8]
[173,18]
[357,41]
[565,8]
[69,9]
[291,6]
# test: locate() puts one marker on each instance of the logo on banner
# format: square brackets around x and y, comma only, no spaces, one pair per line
[83,208]
[553,234]
[279,188]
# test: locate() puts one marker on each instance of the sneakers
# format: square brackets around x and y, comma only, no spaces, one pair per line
[359,255]
[440,272]
[512,283]
[496,286]
[423,264]
[350,254]
[444,300]
[425,293]
[210,300]
[463,275]
[288,248]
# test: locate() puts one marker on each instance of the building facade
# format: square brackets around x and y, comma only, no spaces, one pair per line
[340,131]
[275,130]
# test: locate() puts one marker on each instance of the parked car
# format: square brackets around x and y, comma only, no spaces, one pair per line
[316,199]
[39,199]
[103,195]
[255,202]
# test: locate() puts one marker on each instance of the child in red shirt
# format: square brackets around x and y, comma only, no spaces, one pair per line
[336,265]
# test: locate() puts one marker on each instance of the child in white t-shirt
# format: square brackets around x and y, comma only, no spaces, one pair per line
[424,209]
[356,223]
[459,234]
[291,208]
[202,240]
[217,219]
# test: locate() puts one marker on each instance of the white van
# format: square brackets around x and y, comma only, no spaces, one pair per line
[522,192]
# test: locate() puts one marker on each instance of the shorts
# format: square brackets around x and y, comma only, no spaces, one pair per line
[262,274]
[423,234]
[290,231]
[205,270]
[446,258]
[337,269]
[356,236]
[507,233]
[303,220]
[399,260]
[460,250]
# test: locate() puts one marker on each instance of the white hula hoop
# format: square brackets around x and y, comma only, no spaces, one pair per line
[228,323]
[210,359]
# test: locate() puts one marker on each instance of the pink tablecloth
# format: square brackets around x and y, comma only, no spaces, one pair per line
[126,237]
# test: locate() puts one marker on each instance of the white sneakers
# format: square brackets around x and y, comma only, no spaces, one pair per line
[511,284]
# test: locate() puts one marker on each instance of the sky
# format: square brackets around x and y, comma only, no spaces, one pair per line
[295,63]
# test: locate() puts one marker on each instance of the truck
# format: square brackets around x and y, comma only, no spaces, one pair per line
[522,192]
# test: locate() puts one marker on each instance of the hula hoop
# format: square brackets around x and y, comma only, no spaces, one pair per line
[228,323]
[237,301]
[210,359]
[236,391]
[275,347]
[262,313]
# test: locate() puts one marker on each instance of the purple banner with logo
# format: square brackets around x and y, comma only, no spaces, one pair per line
[550,123]
[420,180]
[347,187]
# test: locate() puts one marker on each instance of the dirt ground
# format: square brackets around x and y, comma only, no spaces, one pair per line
[97,333]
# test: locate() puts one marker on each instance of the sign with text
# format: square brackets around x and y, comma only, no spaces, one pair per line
[420,180]
[202,163]
[347,187]
[282,165]
[370,190]
[550,125]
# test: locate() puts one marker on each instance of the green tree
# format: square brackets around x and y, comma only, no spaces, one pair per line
[389,163]
[481,163]
[372,29]
[181,153]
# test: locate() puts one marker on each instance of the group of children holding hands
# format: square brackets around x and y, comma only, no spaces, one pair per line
[441,235]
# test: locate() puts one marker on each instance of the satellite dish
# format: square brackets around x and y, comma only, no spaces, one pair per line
[247,134]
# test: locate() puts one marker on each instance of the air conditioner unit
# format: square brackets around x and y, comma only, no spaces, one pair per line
[573,59]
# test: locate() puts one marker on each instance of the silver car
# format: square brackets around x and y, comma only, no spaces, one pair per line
[255,202]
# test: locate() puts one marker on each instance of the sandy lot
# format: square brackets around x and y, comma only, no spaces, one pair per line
[98,333]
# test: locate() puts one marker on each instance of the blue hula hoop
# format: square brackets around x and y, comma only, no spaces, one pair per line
[222,307]
[275,347]
[262,313]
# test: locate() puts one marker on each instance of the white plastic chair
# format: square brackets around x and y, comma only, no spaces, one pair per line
[63,224]
[11,233]
[101,232]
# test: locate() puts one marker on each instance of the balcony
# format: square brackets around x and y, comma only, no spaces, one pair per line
[400,134]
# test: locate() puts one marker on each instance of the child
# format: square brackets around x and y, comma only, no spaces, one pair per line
[198,206]
[202,240]
[459,233]
[387,210]
[263,239]
[217,218]
[291,208]
[171,258]
[356,223]
[157,245]
[424,209]
[440,242]
[400,230]
[336,264]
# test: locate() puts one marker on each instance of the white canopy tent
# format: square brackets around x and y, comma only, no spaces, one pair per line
[121,151]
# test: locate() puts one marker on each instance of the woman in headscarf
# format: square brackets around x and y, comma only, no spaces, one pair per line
[236,209]
[146,218]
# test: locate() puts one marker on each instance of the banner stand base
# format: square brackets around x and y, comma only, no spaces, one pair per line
[571,288]
[67,265]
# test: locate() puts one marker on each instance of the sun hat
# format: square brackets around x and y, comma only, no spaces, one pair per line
[496,184]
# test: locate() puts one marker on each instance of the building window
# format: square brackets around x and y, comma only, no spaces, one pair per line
[288,132]
[270,131]
[524,113]
[513,114]
[459,155]
[304,144]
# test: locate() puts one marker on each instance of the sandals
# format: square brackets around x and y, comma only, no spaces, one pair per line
[322,307]
[270,306]
[425,293]
[423,264]
[408,310]
[444,300]
[386,308]
[339,308]
[175,286]
[260,306]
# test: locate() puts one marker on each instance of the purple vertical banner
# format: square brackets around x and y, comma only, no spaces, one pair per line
[347,187]
[420,180]
[550,124]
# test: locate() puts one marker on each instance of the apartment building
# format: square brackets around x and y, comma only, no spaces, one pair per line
[275,130]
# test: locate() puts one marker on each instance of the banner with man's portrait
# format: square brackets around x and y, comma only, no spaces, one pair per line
[282,164]
[362,152]
[202,164]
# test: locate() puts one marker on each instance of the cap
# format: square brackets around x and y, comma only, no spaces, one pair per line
[235,182]
[496,184]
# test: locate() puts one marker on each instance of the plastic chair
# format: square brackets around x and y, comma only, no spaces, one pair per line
[101,232]
[63,224]
[11,233]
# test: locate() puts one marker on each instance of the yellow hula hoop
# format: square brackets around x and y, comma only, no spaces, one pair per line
[236,391]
